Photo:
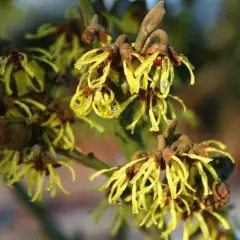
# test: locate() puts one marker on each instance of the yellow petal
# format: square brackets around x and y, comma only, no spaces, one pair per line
[209,149]
[93,176]
[154,122]
[202,225]
[216,143]
[204,179]
[145,64]
[222,220]
[133,82]
[190,67]
[138,114]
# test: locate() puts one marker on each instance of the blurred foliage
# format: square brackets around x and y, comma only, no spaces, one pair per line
[10,14]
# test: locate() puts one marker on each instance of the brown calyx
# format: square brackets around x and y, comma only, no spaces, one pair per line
[62,109]
[40,163]
[218,199]
[200,149]
[93,30]
[173,55]
[15,58]
[131,171]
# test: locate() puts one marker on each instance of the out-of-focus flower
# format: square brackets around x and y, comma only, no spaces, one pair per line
[57,131]
[121,215]
[67,47]
[21,71]
[34,167]
[24,108]
[57,134]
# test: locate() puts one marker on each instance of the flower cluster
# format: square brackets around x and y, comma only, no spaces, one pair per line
[176,179]
[33,164]
[21,71]
[68,45]
[33,126]
[114,76]
[66,48]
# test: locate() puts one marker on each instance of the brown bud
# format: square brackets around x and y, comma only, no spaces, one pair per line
[89,35]
[125,51]
[149,24]
[167,153]
[182,144]
[218,199]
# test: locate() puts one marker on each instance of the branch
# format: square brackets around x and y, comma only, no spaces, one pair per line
[89,160]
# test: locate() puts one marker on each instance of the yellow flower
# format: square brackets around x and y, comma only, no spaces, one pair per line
[94,67]
[34,167]
[26,108]
[158,108]
[155,215]
[67,46]
[10,160]
[202,154]
[36,178]
[104,103]
[190,225]
[57,134]
[25,71]
[81,102]
[163,67]
[121,180]
[65,51]
[138,71]
[101,100]
[187,208]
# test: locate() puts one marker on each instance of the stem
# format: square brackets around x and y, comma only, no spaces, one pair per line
[47,224]
[86,10]
[89,160]
[123,233]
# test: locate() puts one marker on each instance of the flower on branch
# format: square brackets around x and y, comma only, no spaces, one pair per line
[33,165]
[177,178]
[142,76]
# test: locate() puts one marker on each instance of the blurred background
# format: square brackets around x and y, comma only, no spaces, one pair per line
[207,31]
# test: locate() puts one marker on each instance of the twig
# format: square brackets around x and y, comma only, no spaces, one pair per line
[89,160]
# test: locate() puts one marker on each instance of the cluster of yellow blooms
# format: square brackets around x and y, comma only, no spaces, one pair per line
[177,181]
[31,128]
[123,73]
[116,75]
[67,47]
